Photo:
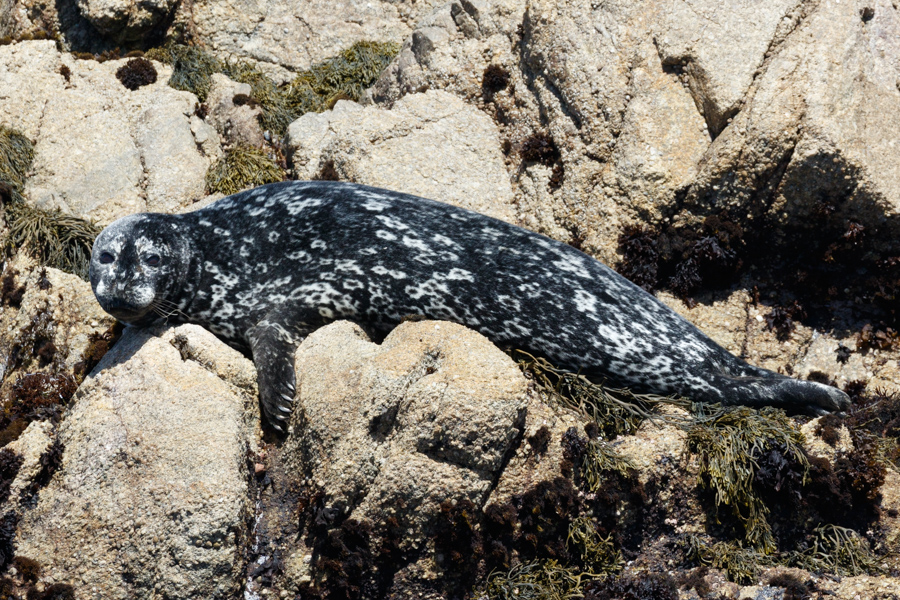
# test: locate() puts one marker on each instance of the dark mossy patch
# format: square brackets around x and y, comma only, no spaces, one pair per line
[56,591]
[827,263]
[494,79]
[10,463]
[241,168]
[28,568]
[647,586]
[696,580]
[136,73]
[684,260]
[794,589]
[541,148]
[458,544]
[9,522]
[540,441]
[34,397]
[244,100]
[11,293]
[98,345]
[828,429]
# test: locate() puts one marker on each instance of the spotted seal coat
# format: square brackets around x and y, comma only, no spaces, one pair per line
[263,268]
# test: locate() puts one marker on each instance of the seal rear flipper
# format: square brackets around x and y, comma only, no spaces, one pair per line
[273,347]
[793,395]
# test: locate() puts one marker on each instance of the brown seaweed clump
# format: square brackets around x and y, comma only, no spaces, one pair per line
[241,168]
[136,73]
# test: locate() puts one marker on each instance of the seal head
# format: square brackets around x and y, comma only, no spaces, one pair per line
[139,268]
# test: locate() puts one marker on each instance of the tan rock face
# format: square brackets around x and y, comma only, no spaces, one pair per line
[122,20]
[433,145]
[57,312]
[101,150]
[427,416]
[152,485]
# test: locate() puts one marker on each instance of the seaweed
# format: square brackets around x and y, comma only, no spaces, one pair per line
[54,239]
[535,580]
[458,544]
[16,156]
[494,79]
[597,554]
[617,411]
[541,148]
[241,168]
[645,586]
[346,75]
[136,73]
[34,397]
[781,319]
[192,67]
[730,448]
[880,338]
[836,550]
[742,565]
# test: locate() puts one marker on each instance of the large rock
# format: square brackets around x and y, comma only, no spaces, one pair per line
[283,38]
[432,145]
[125,21]
[818,130]
[152,491]
[101,150]
[395,430]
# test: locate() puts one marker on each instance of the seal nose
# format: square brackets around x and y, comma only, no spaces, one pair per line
[121,309]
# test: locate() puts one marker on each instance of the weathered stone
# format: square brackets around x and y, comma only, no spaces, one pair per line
[818,128]
[102,151]
[153,481]
[426,417]
[280,37]
[57,310]
[124,20]
[237,123]
[433,145]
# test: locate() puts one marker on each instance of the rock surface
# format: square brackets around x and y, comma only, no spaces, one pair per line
[433,145]
[101,150]
[152,486]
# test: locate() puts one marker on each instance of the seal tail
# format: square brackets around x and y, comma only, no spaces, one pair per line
[793,395]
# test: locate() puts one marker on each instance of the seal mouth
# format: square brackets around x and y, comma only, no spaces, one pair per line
[124,311]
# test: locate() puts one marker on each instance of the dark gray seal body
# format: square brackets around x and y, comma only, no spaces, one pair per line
[263,268]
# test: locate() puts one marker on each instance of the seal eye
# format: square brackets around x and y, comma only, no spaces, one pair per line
[106,258]
[152,260]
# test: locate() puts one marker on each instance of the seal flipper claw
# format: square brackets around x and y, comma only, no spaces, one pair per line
[273,348]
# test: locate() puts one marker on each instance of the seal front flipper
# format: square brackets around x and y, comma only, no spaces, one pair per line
[273,346]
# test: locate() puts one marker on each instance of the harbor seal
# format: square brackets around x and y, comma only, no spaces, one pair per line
[263,268]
